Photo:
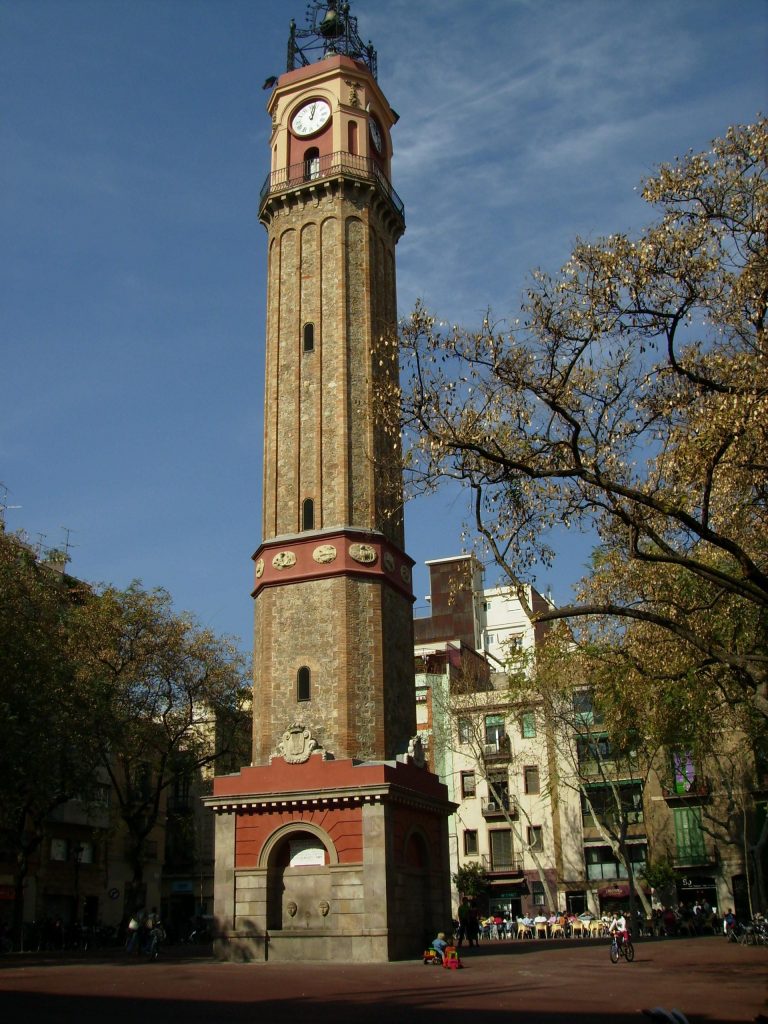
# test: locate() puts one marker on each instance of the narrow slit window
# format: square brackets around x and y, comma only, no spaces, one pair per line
[308,514]
[303,683]
[309,337]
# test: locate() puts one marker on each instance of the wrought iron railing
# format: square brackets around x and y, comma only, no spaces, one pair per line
[499,750]
[494,809]
[329,166]
[693,854]
[502,865]
[693,790]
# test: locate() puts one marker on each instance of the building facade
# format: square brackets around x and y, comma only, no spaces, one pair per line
[533,797]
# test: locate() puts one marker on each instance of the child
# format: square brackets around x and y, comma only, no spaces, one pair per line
[439,944]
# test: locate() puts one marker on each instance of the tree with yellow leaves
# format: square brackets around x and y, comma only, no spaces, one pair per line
[632,401]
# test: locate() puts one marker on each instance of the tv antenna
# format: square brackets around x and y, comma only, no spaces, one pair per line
[4,506]
[68,545]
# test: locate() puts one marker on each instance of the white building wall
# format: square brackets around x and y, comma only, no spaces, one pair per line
[504,623]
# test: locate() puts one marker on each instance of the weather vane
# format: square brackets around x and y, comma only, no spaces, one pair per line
[331,29]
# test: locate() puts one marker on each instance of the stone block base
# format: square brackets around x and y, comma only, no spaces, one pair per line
[330,860]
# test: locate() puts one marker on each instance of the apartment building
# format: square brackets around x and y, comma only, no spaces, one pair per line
[533,798]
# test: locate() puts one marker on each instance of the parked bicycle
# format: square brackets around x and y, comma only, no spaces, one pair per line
[621,947]
[753,934]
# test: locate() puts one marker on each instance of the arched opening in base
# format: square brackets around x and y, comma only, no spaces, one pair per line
[299,879]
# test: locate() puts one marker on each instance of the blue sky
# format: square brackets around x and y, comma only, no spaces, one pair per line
[135,140]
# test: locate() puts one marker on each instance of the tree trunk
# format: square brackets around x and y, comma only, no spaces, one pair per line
[635,893]
[17,918]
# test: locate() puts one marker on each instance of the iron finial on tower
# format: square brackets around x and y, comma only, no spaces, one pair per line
[331,29]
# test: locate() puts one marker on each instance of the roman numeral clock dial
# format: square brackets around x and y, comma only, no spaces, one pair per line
[311,118]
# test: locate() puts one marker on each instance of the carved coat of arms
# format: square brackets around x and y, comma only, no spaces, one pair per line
[297,744]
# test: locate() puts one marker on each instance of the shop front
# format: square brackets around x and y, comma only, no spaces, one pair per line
[692,889]
[615,897]
[506,901]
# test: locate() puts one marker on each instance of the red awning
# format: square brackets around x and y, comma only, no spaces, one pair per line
[618,891]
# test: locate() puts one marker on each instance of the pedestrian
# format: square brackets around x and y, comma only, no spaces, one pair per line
[473,926]
[463,916]
[134,931]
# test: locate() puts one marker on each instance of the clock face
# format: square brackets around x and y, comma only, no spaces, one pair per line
[311,117]
[375,134]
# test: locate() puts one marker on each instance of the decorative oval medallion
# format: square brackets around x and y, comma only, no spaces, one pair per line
[389,561]
[363,553]
[259,568]
[284,560]
[324,553]
[405,574]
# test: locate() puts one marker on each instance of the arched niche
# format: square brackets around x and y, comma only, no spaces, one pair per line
[298,857]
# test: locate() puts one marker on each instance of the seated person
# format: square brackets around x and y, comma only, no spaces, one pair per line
[669,920]
[439,945]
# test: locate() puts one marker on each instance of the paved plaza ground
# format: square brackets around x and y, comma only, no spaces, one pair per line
[535,983]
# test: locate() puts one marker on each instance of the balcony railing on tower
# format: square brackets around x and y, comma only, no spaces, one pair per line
[329,166]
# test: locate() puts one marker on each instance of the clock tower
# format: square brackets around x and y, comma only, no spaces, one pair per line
[334,840]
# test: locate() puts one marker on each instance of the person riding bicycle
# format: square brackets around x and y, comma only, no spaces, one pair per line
[155,934]
[618,926]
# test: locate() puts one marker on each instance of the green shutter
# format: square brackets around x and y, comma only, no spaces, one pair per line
[689,837]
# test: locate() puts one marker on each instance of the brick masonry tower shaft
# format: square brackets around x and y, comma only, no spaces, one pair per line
[333,641]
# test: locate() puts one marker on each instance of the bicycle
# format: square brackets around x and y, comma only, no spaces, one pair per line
[753,934]
[619,949]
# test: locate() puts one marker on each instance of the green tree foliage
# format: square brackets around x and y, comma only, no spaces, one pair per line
[631,401]
[175,695]
[100,683]
[49,711]
[471,880]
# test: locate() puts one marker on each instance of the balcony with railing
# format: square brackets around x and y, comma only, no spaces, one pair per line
[323,168]
[493,809]
[498,750]
[697,790]
[695,854]
[505,865]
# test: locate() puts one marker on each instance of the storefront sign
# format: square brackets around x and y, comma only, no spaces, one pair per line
[697,882]
[614,892]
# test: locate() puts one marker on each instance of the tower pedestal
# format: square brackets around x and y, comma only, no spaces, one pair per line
[330,860]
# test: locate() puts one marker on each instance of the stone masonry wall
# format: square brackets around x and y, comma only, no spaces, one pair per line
[354,636]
